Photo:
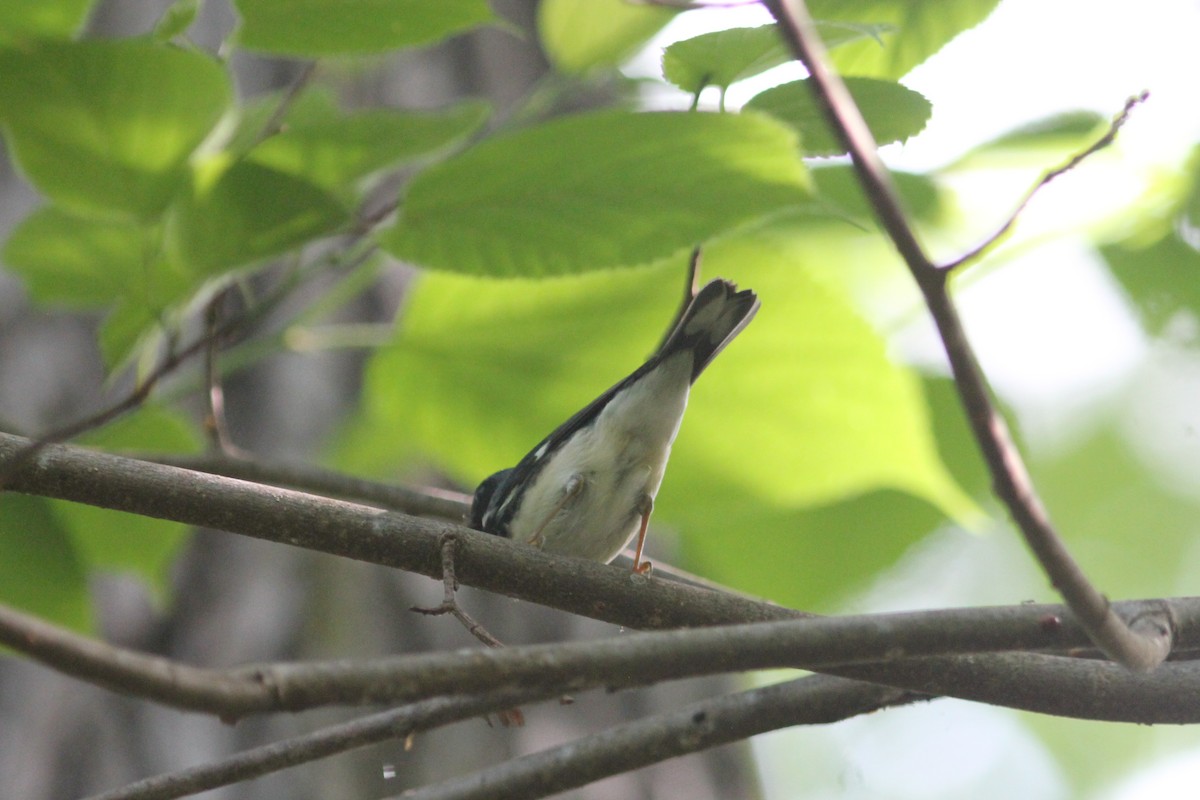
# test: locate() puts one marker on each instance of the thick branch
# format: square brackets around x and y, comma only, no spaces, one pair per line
[1140,649]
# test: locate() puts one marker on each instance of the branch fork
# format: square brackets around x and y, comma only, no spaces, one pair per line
[1139,647]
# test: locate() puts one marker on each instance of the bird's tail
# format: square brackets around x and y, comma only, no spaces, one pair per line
[717,314]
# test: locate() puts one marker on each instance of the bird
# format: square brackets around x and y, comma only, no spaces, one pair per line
[588,488]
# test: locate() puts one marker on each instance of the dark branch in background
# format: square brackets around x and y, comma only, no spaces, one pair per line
[1139,648]
[1104,141]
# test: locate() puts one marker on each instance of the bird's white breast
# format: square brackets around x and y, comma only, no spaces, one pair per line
[620,458]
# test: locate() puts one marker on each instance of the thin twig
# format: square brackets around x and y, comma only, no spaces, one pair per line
[449,604]
[173,359]
[1136,649]
[214,420]
[1118,121]
[274,124]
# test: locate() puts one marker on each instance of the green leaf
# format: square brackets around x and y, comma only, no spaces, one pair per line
[245,213]
[579,35]
[178,17]
[830,415]
[86,262]
[724,57]
[26,20]
[1162,279]
[1157,260]
[336,151]
[1055,136]
[915,30]
[1104,500]
[597,190]
[893,112]
[111,540]
[40,569]
[107,127]
[315,28]
[803,411]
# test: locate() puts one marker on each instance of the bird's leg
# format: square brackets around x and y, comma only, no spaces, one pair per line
[645,507]
[571,490]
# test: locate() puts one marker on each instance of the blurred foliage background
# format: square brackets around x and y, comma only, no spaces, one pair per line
[454,232]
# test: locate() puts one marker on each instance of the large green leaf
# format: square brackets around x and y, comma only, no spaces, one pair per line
[40,569]
[916,29]
[830,415]
[104,127]
[803,410]
[597,190]
[244,213]
[64,258]
[721,58]
[579,35]
[314,28]
[24,20]
[893,112]
[339,149]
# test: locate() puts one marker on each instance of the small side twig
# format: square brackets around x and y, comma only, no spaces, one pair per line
[449,604]
[1110,135]
[214,419]
[275,123]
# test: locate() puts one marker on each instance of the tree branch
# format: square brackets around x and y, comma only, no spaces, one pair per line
[1071,163]
[630,660]
[394,724]
[1142,648]
[814,700]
